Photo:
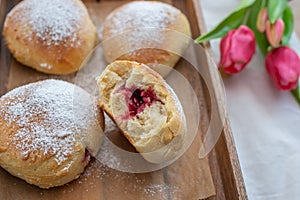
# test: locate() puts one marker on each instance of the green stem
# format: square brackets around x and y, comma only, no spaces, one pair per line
[246,18]
[261,38]
[296,92]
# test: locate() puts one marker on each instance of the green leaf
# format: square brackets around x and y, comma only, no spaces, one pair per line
[296,92]
[261,38]
[275,9]
[288,19]
[232,21]
[244,4]
[254,10]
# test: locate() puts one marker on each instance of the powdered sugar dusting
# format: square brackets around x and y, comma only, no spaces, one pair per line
[43,112]
[128,184]
[55,22]
[141,14]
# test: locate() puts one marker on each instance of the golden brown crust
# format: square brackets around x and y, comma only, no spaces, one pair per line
[142,30]
[152,131]
[30,49]
[39,144]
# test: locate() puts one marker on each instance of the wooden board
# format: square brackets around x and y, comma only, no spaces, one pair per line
[216,177]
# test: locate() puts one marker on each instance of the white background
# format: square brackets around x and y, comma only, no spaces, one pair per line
[265,121]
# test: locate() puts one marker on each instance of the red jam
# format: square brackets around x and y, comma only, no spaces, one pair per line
[140,99]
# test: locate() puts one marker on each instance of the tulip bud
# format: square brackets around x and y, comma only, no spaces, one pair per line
[283,65]
[274,32]
[262,20]
[237,49]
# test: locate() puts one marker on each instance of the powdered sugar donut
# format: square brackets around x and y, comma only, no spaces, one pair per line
[143,26]
[48,130]
[145,108]
[52,36]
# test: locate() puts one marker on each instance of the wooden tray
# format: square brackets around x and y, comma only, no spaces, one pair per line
[223,160]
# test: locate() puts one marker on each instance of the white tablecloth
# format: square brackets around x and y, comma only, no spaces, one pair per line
[265,121]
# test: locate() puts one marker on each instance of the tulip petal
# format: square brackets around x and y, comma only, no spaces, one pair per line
[274,32]
[234,68]
[243,45]
[261,20]
[283,66]
[225,49]
[237,49]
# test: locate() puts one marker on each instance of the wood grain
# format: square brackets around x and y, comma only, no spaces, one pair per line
[4,53]
[220,169]
[232,178]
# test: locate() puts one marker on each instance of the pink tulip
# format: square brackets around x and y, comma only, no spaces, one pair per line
[274,32]
[283,65]
[237,49]
[262,20]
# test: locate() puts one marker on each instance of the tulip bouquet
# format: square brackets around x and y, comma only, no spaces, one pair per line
[268,23]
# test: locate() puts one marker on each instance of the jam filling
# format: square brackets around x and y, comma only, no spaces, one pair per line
[140,99]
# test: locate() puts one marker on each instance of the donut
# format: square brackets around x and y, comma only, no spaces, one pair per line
[137,31]
[51,36]
[48,131]
[145,108]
